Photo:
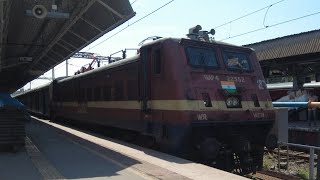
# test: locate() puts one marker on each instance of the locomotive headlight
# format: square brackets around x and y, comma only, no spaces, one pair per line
[229,102]
[233,102]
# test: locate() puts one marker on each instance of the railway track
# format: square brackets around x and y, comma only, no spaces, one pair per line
[291,162]
[271,175]
[298,157]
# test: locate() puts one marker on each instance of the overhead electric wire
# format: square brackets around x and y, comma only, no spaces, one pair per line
[132,23]
[171,2]
[265,15]
[59,66]
[74,65]
[69,63]
[248,14]
[134,2]
[273,25]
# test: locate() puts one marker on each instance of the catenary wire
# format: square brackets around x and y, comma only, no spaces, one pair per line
[134,2]
[265,15]
[132,24]
[273,25]
[248,14]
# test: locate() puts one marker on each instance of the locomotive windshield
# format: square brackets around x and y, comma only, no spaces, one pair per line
[199,57]
[236,61]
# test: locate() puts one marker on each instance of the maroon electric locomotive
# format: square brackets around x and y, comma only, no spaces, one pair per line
[196,98]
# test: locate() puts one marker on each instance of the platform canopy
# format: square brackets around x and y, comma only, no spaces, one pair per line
[294,55]
[31,43]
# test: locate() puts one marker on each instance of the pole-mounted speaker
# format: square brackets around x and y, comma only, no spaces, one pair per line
[39,11]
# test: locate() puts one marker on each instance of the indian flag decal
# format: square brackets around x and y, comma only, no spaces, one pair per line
[228,86]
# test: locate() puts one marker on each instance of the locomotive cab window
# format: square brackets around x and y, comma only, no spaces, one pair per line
[202,58]
[156,61]
[237,61]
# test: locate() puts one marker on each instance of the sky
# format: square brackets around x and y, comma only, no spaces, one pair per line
[175,19]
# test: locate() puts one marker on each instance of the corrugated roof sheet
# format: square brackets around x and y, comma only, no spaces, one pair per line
[293,45]
[49,41]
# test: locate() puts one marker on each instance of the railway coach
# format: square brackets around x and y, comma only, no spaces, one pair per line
[196,98]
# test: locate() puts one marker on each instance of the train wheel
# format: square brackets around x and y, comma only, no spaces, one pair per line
[129,136]
[224,160]
[146,141]
[209,149]
[53,118]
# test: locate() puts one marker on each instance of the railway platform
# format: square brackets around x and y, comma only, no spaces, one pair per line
[53,151]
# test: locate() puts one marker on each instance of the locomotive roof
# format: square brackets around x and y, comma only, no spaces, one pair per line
[102,68]
[34,89]
[134,58]
[185,39]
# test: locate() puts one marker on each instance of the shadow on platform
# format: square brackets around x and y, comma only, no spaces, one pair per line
[76,158]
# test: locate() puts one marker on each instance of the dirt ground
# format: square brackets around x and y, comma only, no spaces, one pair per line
[297,167]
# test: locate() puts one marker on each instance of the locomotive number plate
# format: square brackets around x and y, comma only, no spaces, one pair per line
[211,77]
[235,79]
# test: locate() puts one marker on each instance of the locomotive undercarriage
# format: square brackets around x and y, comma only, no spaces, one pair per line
[234,147]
